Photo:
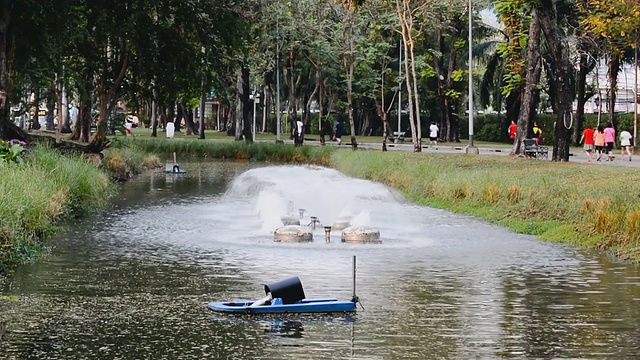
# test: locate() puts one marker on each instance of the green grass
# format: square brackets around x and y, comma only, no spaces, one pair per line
[36,194]
[231,150]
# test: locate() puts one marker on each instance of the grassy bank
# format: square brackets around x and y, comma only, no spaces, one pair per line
[232,150]
[594,207]
[39,192]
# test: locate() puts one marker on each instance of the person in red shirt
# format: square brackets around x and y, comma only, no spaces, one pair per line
[512,130]
[587,140]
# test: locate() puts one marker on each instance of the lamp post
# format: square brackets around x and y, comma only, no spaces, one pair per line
[396,138]
[256,100]
[471,149]
[635,97]
[278,125]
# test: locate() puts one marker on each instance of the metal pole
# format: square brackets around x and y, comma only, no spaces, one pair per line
[635,99]
[354,278]
[278,126]
[400,91]
[253,130]
[470,76]
[471,149]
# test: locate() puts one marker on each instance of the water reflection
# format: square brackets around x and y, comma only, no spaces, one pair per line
[134,282]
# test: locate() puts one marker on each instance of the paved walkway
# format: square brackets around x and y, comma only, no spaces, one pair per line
[577,155]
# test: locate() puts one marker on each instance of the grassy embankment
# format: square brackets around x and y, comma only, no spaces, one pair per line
[47,188]
[39,192]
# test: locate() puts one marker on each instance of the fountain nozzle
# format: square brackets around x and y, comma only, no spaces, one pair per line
[314,222]
[327,234]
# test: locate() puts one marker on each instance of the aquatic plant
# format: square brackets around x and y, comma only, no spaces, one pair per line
[11,151]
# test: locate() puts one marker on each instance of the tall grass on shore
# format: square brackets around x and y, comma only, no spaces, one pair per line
[584,204]
[238,150]
[124,162]
[39,192]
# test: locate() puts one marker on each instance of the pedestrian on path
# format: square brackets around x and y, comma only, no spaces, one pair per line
[338,131]
[625,143]
[433,135]
[512,130]
[610,139]
[537,133]
[588,141]
[598,140]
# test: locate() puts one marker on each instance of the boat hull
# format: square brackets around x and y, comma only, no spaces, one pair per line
[307,306]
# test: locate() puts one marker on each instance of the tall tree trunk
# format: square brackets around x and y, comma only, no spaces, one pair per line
[614,68]
[5,17]
[243,110]
[348,62]
[51,104]
[179,116]
[66,120]
[203,106]
[188,122]
[531,83]
[562,69]
[266,105]
[292,109]
[154,113]
[586,66]
[107,102]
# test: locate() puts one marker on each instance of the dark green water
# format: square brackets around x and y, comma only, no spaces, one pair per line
[133,282]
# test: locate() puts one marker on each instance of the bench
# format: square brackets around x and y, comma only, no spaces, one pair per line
[533,150]
[397,137]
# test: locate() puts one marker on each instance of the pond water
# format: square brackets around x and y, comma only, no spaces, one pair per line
[133,282]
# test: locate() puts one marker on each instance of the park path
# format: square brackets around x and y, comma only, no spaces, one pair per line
[577,155]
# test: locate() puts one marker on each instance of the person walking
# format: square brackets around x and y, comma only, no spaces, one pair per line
[512,130]
[338,131]
[537,133]
[433,134]
[625,143]
[588,141]
[325,131]
[299,135]
[598,140]
[609,139]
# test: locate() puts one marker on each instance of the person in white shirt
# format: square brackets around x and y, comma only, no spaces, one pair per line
[625,143]
[299,133]
[433,135]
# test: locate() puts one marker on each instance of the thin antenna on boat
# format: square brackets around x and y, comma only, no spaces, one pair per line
[355,297]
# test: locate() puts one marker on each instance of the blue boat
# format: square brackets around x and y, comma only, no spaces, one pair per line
[305,306]
[176,168]
[286,297]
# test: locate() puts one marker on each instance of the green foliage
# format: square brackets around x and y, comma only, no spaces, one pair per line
[11,151]
[237,150]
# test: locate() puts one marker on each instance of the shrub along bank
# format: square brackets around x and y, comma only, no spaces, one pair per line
[38,192]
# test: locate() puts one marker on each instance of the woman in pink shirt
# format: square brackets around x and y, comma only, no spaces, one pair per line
[598,140]
[610,139]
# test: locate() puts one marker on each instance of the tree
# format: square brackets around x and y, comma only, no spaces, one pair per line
[562,73]
[616,22]
[348,57]
[412,21]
